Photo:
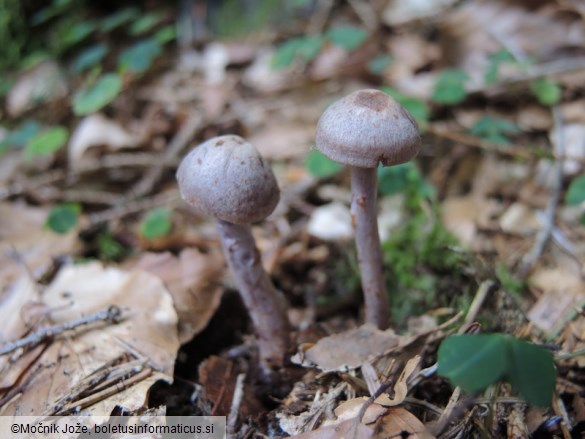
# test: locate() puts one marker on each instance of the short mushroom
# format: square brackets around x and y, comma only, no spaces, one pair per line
[226,177]
[361,130]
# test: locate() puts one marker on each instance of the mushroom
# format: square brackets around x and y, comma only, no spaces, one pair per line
[226,177]
[361,130]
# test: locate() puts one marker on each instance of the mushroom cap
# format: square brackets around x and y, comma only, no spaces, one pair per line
[226,177]
[365,128]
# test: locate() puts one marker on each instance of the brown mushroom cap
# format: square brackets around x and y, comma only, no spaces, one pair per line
[365,128]
[226,177]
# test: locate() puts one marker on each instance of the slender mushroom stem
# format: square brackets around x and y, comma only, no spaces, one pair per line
[266,306]
[363,210]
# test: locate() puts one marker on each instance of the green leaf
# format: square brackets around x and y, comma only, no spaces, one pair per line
[495,61]
[46,142]
[576,192]
[109,249]
[73,34]
[119,18]
[89,58]
[393,179]
[547,92]
[348,37]
[45,14]
[156,224]
[166,34]
[379,63]
[494,130]
[473,362]
[101,93]
[531,371]
[140,56]
[321,166]
[146,23]
[416,107]
[20,137]
[306,47]
[450,87]
[63,217]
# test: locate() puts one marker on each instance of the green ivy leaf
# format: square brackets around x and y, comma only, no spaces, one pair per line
[494,130]
[156,224]
[475,362]
[46,142]
[348,37]
[89,58]
[146,23]
[547,92]
[140,56]
[320,165]
[119,18]
[450,87]
[101,93]
[576,192]
[63,217]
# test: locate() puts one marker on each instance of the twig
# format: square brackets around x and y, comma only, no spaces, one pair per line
[109,315]
[469,140]
[168,199]
[560,410]
[385,386]
[110,161]
[365,12]
[476,304]
[185,134]
[537,71]
[549,214]
[320,17]
[232,419]
[84,196]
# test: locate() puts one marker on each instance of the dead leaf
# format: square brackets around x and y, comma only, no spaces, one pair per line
[400,422]
[348,350]
[562,292]
[194,281]
[218,377]
[331,222]
[401,386]
[350,410]
[141,349]
[26,246]
[97,130]
[43,83]
[344,430]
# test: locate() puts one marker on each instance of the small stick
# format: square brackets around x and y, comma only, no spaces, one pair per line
[110,315]
[185,134]
[235,407]
[131,207]
[106,393]
[476,304]
[544,234]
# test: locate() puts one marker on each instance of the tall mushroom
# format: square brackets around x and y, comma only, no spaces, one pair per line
[361,130]
[226,177]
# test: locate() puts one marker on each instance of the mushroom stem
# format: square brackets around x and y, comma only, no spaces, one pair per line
[363,211]
[267,307]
